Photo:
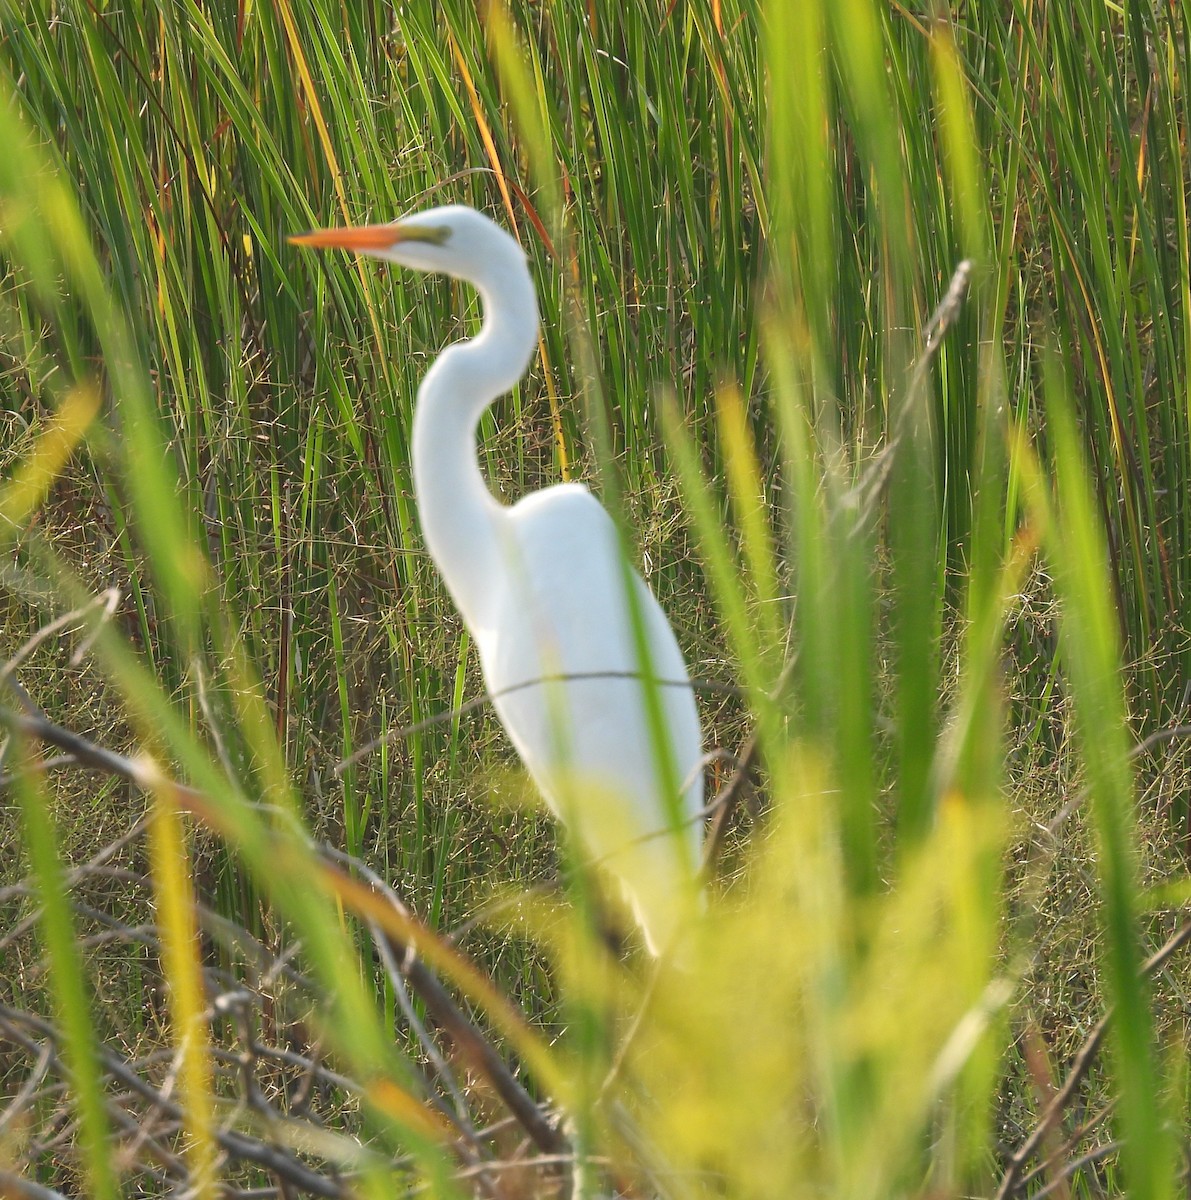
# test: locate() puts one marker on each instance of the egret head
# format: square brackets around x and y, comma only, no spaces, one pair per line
[454,240]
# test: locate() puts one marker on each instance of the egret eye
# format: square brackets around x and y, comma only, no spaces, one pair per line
[437,235]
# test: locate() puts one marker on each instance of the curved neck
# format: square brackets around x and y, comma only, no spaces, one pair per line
[461,519]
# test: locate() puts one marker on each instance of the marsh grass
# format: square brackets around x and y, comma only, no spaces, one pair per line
[922,560]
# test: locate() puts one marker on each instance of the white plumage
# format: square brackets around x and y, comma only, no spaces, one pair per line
[545,591]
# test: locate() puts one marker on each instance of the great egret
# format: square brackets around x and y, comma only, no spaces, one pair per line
[547,596]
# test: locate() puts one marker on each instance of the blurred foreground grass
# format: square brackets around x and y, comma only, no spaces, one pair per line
[922,553]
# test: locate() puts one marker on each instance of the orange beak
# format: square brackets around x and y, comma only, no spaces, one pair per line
[358,238]
[365,238]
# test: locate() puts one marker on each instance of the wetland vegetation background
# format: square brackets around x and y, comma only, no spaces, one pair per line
[946,563]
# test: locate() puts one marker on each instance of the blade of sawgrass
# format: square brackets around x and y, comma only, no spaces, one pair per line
[833,551]
[751,504]
[23,494]
[80,1039]
[830,548]
[1177,267]
[706,512]
[180,944]
[1091,654]
[970,768]
[800,186]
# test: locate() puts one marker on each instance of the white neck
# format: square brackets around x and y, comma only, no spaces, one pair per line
[460,517]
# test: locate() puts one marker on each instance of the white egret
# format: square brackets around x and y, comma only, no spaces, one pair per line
[544,589]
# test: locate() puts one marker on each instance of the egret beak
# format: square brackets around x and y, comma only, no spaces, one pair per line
[368,239]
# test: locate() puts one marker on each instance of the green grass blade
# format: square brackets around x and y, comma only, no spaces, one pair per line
[1091,656]
[80,1036]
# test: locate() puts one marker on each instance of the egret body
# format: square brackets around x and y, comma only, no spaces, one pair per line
[566,631]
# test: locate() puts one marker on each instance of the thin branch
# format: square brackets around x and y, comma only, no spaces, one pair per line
[468,1038]
[1076,1165]
[862,497]
[107,600]
[1048,1166]
[28,1090]
[237,1145]
[727,800]
[17,1187]
[1169,734]
[442,1069]
[40,728]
